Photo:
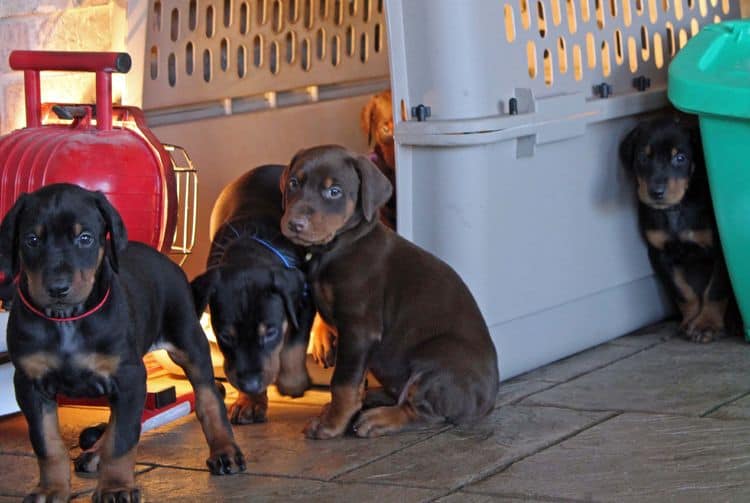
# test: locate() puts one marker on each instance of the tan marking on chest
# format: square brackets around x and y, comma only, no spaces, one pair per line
[36,365]
[98,363]
[657,238]
[704,238]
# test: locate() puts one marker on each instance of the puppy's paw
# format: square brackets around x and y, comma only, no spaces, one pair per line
[226,461]
[117,495]
[87,464]
[48,495]
[704,336]
[324,426]
[380,421]
[704,331]
[323,347]
[248,409]
[317,430]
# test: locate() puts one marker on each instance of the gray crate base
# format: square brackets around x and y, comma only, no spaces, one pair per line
[548,243]
[548,335]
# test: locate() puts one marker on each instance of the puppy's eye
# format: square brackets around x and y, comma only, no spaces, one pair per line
[32,240]
[272,333]
[226,338]
[679,158]
[642,157]
[333,192]
[293,183]
[85,240]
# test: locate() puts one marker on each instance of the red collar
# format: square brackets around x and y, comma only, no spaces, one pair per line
[61,320]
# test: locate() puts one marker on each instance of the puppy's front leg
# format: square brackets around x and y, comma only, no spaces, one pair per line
[118,445]
[52,456]
[346,385]
[193,355]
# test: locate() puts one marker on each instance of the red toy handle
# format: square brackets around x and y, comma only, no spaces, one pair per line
[103,63]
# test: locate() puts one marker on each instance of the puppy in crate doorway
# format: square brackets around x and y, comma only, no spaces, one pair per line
[676,219]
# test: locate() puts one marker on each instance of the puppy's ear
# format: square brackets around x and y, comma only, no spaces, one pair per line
[374,187]
[287,281]
[366,118]
[9,253]
[203,287]
[118,235]
[284,179]
[627,147]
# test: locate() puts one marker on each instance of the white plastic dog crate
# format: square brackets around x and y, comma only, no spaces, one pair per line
[525,200]
[513,177]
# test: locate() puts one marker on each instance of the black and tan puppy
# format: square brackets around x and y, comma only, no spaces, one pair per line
[87,307]
[261,312]
[677,221]
[399,311]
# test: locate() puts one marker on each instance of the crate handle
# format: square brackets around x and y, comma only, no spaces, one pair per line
[103,63]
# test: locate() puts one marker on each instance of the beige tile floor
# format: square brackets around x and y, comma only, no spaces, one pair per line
[645,417]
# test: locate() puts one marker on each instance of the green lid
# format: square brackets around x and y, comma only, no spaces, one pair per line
[711,74]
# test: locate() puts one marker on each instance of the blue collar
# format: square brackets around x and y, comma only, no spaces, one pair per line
[284,259]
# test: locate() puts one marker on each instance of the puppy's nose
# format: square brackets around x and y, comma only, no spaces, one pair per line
[657,193]
[298,224]
[251,383]
[58,289]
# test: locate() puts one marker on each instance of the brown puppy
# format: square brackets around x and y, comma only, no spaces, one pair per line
[377,124]
[399,311]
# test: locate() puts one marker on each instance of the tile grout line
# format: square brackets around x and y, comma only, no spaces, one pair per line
[504,466]
[85,492]
[418,442]
[559,383]
[719,406]
[646,412]
[575,409]
[204,470]
[289,477]
[524,497]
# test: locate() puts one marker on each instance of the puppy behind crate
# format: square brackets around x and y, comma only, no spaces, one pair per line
[399,311]
[88,305]
[261,311]
[376,122]
[676,219]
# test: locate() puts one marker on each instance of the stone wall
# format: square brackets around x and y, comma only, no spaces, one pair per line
[59,25]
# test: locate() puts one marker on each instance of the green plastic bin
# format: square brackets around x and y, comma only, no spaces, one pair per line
[710,77]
